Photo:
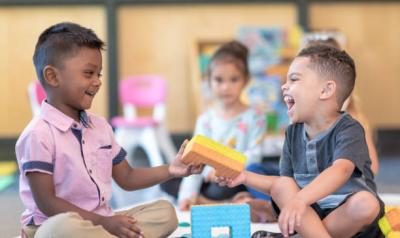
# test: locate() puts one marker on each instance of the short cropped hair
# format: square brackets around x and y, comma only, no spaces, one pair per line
[334,63]
[60,41]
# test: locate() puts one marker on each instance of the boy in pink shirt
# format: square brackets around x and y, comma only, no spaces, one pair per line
[68,157]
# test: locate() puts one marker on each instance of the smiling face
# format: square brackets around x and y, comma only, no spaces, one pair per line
[302,90]
[227,82]
[77,82]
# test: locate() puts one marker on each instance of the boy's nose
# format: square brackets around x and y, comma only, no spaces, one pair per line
[97,82]
[283,87]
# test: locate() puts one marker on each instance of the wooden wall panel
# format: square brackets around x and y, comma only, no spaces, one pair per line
[373,36]
[159,40]
[19,30]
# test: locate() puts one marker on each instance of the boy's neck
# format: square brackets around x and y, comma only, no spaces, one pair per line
[66,110]
[320,123]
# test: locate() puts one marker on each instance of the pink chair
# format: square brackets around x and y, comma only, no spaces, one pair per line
[36,96]
[148,132]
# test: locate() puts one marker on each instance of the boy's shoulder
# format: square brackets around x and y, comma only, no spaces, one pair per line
[345,123]
[37,127]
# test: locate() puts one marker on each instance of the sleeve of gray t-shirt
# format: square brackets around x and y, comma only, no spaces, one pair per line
[285,163]
[351,144]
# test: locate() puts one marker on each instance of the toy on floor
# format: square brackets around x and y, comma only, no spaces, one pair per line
[227,162]
[234,216]
[390,223]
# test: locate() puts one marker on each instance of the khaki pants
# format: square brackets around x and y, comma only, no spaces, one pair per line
[156,220]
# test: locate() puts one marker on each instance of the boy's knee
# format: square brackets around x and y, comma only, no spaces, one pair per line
[363,206]
[280,186]
[59,225]
[169,214]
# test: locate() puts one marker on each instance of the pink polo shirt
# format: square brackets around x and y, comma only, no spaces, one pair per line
[80,157]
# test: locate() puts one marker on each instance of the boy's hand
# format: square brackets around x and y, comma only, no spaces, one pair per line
[210,176]
[121,226]
[291,215]
[223,181]
[178,169]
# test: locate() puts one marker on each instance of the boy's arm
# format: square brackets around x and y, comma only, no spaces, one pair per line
[42,187]
[136,178]
[324,184]
[259,182]
[330,180]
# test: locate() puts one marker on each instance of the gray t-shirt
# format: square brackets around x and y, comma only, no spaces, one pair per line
[305,159]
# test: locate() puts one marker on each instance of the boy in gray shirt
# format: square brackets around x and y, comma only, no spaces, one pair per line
[326,187]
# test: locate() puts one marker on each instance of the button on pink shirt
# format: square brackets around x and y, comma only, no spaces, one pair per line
[79,158]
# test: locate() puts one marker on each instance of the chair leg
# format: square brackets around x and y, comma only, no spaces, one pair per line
[165,143]
[150,146]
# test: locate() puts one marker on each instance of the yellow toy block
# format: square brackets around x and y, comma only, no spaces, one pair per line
[390,223]
[394,234]
[227,162]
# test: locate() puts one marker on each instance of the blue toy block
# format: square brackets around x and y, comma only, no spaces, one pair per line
[234,216]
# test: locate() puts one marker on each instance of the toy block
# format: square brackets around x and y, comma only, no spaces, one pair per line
[390,222]
[227,162]
[394,234]
[234,216]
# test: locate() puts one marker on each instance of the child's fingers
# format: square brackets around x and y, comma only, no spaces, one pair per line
[283,224]
[298,220]
[136,230]
[130,233]
[183,146]
[196,169]
[291,224]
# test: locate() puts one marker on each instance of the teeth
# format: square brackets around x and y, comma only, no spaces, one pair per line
[288,98]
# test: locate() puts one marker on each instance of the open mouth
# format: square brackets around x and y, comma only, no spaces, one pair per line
[91,93]
[289,101]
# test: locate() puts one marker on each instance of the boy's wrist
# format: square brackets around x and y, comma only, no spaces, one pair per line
[170,174]
[245,175]
[98,219]
[301,197]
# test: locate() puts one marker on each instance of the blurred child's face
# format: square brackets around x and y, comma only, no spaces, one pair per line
[301,91]
[79,80]
[227,82]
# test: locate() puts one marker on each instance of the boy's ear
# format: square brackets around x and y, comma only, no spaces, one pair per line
[50,75]
[328,90]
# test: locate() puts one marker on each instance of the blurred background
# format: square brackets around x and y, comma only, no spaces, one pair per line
[174,38]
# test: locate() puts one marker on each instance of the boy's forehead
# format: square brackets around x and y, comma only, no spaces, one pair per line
[85,54]
[299,65]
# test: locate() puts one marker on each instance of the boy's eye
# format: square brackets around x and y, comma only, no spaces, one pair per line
[88,73]
[99,75]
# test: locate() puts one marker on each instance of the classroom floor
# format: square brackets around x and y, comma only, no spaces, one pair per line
[388,182]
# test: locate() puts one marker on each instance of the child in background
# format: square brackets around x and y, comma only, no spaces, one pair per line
[230,122]
[67,157]
[351,106]
[326,186]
